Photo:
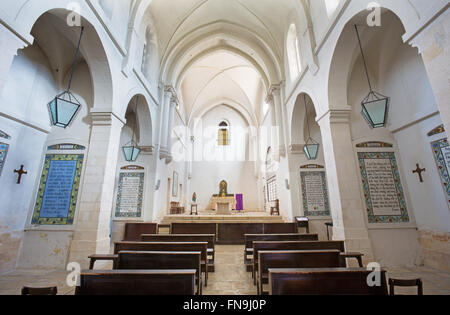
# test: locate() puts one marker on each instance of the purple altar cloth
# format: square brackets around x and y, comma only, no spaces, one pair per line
[239,202]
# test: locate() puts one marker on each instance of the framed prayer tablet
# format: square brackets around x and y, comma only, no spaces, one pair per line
[130,195]
[3,151]
[382,187]
[315,193]
[441,151]
[58,189]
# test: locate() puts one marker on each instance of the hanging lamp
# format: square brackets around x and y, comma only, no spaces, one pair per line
[64,107]
[131,149]
[375,106]
[311,147]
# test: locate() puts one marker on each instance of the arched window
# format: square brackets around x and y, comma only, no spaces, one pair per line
[223,136]
[293,52]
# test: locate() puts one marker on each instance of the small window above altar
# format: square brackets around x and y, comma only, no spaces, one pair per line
[223,136]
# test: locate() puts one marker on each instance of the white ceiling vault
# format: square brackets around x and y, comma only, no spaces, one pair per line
[217,51]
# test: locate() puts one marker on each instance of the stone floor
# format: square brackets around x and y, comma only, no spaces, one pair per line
[230,277]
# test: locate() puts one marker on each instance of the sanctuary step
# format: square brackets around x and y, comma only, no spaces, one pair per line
[211,217]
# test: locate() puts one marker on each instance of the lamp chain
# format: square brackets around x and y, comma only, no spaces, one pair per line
[307,118]
[75,59]
[364,58]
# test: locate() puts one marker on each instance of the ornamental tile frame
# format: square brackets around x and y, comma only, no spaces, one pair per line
[69,219]
[3,152]
[444,173]
[372,218]
[138,213]
[314,212]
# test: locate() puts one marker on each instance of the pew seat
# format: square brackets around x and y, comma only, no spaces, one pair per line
[293,259]
[324,281]
[137,282]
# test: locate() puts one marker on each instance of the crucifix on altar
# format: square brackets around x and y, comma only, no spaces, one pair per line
[224,202]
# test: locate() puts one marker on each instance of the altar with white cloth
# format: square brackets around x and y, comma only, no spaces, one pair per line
[224,205]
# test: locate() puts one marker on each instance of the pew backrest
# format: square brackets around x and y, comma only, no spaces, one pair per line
[193,228]
[163,247]
[297,259]
[133,231]
[250,238]
[334,281]
[210,238]
[137,282]
[295,245]
[277,228]
[132,260]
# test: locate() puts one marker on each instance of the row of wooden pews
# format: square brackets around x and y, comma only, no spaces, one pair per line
[146,263]
[298,264]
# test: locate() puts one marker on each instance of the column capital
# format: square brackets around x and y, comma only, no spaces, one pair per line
[104,118]
[275,89]
[336,116]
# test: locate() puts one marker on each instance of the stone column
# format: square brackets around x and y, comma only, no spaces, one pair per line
[173,103]
[10,44]
[343,182]
[276,102]
[94,211]
[433,44]
[169,92]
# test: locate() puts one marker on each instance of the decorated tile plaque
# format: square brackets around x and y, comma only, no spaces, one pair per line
[383,191]
[315,193]
[441,150]
[58,189]
[130,195]
[3,151]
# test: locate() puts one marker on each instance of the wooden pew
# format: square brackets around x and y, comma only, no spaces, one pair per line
[294,259]
[168,247]
[210,238]
[192,228]
[234,233]
[278,228]
[334,281]
[250,238]
[137,282]
[133,231]
[132,260]
[299,245]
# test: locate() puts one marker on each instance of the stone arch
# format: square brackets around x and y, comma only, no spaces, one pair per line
[92,47]
[346,50]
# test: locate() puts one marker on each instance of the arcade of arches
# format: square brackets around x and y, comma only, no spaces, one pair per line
[224,91]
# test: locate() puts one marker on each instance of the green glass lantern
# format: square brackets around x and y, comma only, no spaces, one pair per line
[65,106]
[63,109]
[131,151]
[311,147]
[375,109]
[375,106]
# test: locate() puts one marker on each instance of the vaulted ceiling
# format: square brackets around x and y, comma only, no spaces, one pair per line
[221,76]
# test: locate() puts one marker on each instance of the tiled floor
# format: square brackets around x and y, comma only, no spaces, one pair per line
[230,277]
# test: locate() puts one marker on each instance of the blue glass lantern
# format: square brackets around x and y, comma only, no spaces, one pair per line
[63,108]
[131,151]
